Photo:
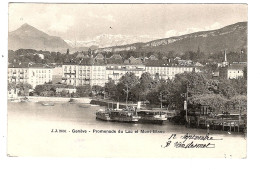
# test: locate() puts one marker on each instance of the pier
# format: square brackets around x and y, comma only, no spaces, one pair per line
[232,123]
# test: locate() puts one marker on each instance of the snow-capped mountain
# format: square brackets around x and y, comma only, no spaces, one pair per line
[108,40]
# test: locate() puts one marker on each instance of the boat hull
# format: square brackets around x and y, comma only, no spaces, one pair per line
[152,121]
[104,118]
[125,119]
[47,104]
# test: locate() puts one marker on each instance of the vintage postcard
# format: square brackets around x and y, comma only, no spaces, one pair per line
[127,80]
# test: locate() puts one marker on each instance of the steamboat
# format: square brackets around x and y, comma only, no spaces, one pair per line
[152,116]
[103,115]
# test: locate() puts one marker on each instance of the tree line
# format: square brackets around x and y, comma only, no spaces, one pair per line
[31,55]
[221,95]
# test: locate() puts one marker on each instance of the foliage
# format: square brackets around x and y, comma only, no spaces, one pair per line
[238,102]
[129,80]
[226,89]
[83,91]
[23,88]
[110,88]
[215,101]
[97,90]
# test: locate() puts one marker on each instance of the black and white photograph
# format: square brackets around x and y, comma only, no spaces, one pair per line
[127,80]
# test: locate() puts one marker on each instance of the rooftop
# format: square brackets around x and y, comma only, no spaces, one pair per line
[29,65]
[237,66]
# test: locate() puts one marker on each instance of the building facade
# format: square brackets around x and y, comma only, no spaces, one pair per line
[168,72]
[33,75]
[115,72]
[80,75]
[235,71]
[232,71]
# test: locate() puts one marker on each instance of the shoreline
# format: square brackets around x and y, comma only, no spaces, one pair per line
[56,99]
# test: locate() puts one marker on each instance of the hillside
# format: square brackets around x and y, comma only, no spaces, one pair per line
[231,38]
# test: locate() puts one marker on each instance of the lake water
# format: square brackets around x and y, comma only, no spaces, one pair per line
[30,125]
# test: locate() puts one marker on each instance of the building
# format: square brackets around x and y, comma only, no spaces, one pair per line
[153,57]
[134,61]
[98,74]
[69,71]
[12,94]
[115,71]
[232,71]
[167,70]
[235,71]
[83,74]
[99,59]
[67,90]
[34,74]
[57,74]
[115,59]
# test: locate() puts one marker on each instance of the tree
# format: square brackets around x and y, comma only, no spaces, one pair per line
[64,93]
[153,97]
[110,88]
[126,83]
[245,73]
[11,85]
[129,79]
[238,103]
[24,88]
[89,52]
[215,101]
[194,83]
[145,82]
[239,85]
[83,91]
[97,89]
[226,89]
[39,89]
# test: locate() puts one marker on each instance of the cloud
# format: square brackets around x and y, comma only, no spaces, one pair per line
[62,24]
[106,17]
[214,26]
[172,33]
[109,18]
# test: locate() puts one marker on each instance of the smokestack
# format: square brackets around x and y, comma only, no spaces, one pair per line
[138,105]
[117,105]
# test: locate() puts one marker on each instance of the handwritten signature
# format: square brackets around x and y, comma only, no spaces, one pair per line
[191,141]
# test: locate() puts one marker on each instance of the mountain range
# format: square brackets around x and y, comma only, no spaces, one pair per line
[108,40]
[232,38]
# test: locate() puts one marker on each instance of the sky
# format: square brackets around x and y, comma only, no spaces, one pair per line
[83,22]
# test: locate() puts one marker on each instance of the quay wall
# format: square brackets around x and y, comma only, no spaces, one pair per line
[57,99]
[106,103]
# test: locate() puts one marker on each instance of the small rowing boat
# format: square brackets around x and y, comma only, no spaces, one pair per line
[48,104]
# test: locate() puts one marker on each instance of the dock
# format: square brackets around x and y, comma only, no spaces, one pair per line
[220,123]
